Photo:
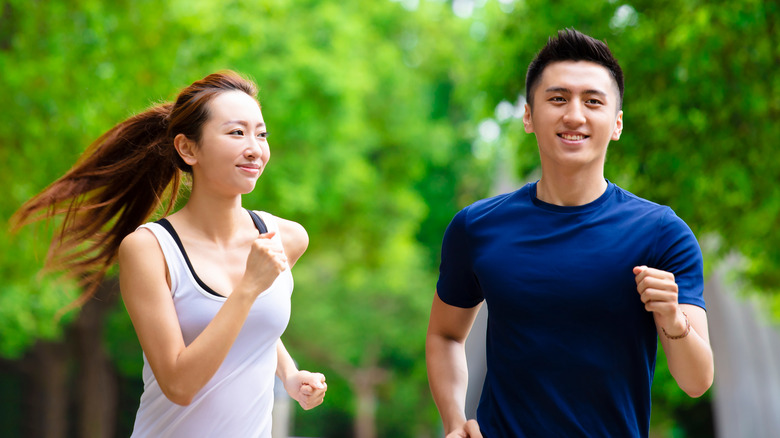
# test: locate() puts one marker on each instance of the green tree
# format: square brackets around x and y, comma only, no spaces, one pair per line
[374,110]
[701,101]
[356,118]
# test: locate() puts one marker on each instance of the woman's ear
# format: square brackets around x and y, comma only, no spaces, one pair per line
[186,149]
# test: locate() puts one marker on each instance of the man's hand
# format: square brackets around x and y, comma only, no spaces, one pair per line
[658,291]
[470,429]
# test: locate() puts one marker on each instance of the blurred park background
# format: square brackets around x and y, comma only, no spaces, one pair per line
[386,117]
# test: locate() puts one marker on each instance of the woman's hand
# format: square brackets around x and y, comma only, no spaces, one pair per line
[308,389]
[265,262]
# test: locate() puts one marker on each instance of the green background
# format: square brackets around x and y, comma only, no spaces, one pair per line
[386,117]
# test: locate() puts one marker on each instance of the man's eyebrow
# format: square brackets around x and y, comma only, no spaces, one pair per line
[557,90]
[568,91]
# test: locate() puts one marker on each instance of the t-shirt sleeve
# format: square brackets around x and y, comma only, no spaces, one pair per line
[457,285]
[679,253]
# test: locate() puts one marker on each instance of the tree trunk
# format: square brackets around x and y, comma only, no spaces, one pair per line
[364,383]
[46,398]
[96,388]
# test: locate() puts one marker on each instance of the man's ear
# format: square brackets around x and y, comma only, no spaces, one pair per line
[528,123]
[186,149]
[618,127]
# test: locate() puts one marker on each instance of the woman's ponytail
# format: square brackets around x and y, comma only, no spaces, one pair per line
[116,185]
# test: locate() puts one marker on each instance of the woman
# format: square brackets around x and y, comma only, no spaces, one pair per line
[208,287]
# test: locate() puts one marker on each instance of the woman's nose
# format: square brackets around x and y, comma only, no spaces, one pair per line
[256,149]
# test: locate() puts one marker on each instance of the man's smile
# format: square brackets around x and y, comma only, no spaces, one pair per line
[572,137]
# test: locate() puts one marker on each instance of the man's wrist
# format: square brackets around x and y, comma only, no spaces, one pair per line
[682,328]
[454,422]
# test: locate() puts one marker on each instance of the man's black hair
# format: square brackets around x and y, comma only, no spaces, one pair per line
[571,45]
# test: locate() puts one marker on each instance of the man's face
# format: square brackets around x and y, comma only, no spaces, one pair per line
[575,115]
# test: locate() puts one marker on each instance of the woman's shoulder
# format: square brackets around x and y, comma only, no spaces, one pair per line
[294,236]
[140,255]
[286,226]
[140,241]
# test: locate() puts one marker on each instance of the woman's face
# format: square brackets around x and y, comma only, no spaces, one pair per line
[233,149]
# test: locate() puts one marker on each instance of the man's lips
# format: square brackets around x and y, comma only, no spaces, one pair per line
[572,136]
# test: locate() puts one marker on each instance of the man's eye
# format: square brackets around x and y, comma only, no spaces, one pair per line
[557,99]
[593,102]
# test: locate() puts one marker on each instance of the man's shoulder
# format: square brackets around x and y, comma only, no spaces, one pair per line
[631,200]
[646,211]
[494,204]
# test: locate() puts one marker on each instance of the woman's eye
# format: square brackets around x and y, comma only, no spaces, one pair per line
[263,135]
[237,132]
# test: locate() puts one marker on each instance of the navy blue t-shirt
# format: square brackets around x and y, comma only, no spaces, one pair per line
[570,348]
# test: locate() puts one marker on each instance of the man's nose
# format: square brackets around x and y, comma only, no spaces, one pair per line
[574,115]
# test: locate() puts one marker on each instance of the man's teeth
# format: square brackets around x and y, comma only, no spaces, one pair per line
[572,137]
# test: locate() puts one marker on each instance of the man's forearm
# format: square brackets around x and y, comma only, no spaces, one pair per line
[690,358]
[448,378]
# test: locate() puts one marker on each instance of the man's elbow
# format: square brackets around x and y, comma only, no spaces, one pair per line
[696,392]
[699,386]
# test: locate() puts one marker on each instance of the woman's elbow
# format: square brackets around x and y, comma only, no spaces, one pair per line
[180,396]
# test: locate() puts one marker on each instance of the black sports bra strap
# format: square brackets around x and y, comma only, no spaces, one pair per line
[168,227]
[259,224]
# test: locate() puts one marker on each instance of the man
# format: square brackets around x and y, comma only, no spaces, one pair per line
[581,277]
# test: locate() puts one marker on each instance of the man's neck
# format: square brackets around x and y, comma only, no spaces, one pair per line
[571,191]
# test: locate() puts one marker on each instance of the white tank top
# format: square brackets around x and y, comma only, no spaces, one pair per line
[237,401]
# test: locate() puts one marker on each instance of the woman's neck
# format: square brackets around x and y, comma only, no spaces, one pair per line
[212,217]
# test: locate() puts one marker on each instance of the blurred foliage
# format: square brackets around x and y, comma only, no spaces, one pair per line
[701,103]
[351,133]
[386,117]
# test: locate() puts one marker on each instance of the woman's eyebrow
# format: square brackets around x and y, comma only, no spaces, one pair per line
[242,123]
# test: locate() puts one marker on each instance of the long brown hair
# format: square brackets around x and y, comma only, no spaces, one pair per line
[120,180]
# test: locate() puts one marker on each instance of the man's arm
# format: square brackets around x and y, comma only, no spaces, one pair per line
[690,358]
[682,329]
[446,360]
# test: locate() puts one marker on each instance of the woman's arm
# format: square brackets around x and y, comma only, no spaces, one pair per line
[183,370]
[308,389]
